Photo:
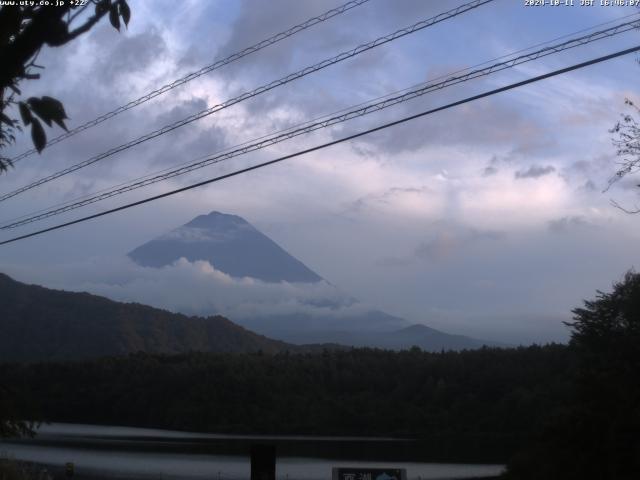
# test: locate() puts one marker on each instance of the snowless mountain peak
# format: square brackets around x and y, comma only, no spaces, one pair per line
[230,244]
[217,221]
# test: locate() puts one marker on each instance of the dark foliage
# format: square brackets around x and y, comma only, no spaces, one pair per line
[13,405]
[24,30]
[489,393]
[597,434]
[572,412]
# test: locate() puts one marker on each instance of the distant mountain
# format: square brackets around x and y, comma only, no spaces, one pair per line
[428,339]
[300,325]
[234,246]
[40,324]
[230,244]
[37,323]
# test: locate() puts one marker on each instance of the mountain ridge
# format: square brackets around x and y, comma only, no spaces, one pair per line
[37,323]
[42,324]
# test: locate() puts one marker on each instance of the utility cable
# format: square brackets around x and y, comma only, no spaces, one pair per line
[204,70]
[334,142]
[267,141]
[264,88]
[396,92]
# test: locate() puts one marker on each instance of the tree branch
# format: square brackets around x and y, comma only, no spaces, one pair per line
[86,27]
[14,56]
[617,205]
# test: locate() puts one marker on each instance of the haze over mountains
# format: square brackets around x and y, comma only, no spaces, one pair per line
[321,314]
[214,268]
[42,324]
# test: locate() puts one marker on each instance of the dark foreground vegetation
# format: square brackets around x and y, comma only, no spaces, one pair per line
[564,411]
[357,392]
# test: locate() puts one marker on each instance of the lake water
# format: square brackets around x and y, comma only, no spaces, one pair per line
[147,453]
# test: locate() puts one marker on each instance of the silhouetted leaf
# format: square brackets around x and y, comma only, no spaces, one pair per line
[125,12]
[40,109]
[37,135]
[56,106]
[25,113]
[61,124]
[48,109]
[113,16]
[57,33]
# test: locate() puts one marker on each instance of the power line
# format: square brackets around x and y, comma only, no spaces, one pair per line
[247,147]
[264,88]
[387,95]
[204,70]
[334,142]
[435,78]
[325,122]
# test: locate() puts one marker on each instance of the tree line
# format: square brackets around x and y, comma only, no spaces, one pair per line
[354,392]
[567,411]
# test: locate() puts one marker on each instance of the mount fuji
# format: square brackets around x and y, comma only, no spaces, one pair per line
[231,244]
[316,311]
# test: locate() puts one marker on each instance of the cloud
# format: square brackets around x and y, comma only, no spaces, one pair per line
[569,223]
[495,162]
[129,55]
[393,262]
[388,197]
[588,186]
[196,288]
[446,241]
[251,25]
[485,122]
[350,209]
[535,171]
[179,111]
[490,170]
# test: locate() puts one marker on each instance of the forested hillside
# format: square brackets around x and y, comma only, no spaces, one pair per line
[359,392]
[38,324]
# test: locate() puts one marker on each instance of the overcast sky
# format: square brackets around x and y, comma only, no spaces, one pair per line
[488,219]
